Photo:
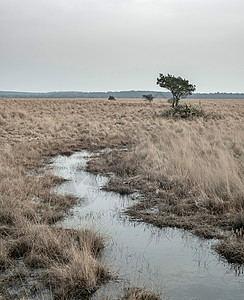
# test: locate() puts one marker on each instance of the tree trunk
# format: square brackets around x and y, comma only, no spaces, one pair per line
[176,101]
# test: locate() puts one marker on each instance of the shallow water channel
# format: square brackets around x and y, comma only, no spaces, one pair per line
[171,261]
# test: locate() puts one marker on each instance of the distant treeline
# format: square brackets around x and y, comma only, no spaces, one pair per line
[121,94]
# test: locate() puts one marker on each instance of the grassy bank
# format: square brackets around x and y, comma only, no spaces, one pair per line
[34,254]
[190,172]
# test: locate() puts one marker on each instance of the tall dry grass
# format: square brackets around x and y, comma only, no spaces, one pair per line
[192,171]
[204,158]
[31,130]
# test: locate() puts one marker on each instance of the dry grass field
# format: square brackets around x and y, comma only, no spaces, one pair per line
[189,172]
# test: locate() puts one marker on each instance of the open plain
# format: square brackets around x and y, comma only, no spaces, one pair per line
[190,174]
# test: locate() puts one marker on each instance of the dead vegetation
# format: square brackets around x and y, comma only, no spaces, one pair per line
[140,294]
[190,172]
[231,249]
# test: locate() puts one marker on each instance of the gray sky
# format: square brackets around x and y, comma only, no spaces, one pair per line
[102,45]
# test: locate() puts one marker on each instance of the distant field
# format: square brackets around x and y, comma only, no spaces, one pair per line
[121,94]
[192,171]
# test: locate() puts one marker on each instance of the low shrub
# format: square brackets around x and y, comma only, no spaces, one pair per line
[188,112]
[111,97]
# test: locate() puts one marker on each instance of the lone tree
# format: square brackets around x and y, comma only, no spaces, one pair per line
[180,88]
[148,97]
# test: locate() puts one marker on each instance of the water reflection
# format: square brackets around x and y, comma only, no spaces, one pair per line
[173,261]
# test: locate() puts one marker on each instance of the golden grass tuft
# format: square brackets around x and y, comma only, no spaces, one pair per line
[140,294]
[31,131]
[231,249]
[76,279]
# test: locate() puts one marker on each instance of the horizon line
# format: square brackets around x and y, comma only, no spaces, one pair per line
[110,91]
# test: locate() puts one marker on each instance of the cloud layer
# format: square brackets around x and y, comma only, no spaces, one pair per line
[120,44]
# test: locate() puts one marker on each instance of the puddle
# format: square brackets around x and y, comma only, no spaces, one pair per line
[173,261]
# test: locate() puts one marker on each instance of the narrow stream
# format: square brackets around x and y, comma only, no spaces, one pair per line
[171,261]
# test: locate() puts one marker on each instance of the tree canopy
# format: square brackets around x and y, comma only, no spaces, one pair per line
[179,87]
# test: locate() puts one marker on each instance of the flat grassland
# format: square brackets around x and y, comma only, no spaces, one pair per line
[189,172]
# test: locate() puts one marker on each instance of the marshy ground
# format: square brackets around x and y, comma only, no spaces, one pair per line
[190,174]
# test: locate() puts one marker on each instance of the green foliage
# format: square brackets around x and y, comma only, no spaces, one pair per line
[148,97]
[110,97]
[184,112]
[179,87]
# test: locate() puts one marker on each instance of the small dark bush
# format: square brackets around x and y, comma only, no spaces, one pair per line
[188,112]
[111,98]
[184,112]
[148,97]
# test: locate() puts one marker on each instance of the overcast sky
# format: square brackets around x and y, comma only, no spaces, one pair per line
[113,45]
